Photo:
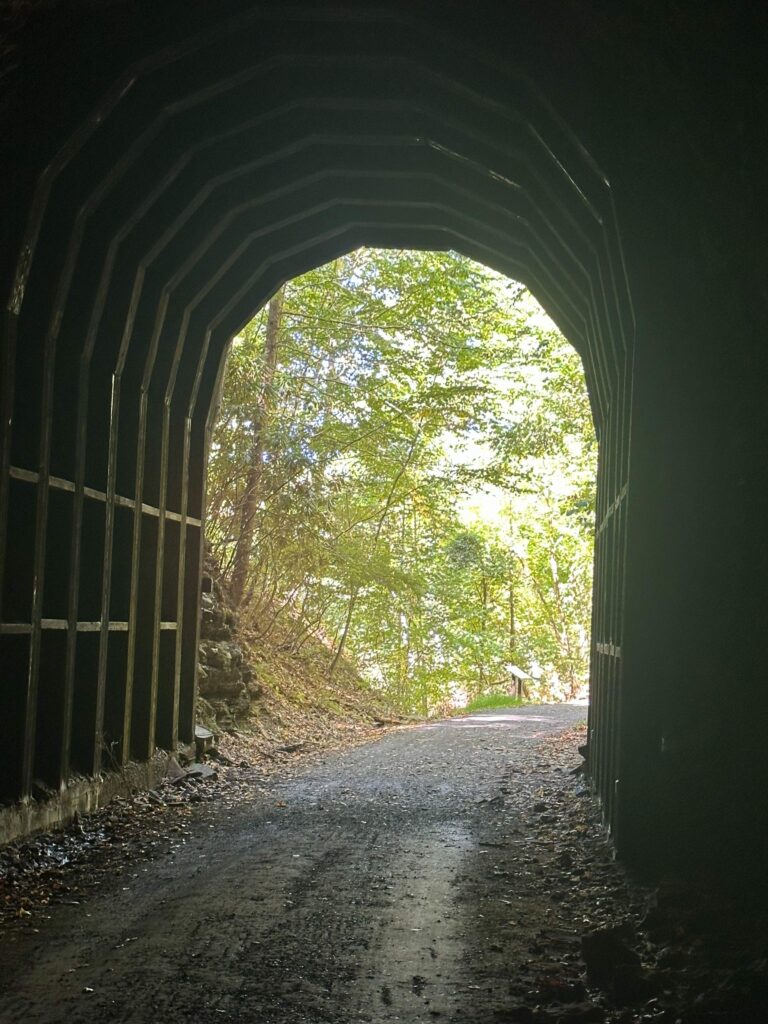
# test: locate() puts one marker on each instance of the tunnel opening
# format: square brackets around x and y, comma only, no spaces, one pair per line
[402,476]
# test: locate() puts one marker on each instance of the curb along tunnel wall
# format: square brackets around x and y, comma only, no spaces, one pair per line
[173,168]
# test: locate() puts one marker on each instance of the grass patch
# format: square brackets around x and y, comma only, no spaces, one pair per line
[493,700]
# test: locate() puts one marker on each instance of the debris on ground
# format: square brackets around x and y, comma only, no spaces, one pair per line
[52,867]
[578,939]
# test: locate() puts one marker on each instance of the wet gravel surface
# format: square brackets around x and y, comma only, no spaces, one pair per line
[448,872]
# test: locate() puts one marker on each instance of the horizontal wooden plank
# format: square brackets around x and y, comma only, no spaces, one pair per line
[58,483]
[612,510]
[27,475]
[610,650]
[10,628]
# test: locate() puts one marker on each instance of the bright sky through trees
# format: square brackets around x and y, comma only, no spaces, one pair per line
[403,468]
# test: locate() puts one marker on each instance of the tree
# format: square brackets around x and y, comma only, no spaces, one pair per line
[249,501]
[403,469]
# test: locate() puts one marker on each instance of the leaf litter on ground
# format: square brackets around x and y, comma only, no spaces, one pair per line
[616,951]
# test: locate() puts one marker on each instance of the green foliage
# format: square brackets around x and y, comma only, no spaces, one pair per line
[493,700]
[425,480]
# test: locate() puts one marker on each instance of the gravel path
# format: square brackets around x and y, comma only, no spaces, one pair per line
[434,875]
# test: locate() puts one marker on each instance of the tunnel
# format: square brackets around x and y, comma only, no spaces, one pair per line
[167,167]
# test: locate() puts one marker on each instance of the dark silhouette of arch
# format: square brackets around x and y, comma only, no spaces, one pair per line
[188,162]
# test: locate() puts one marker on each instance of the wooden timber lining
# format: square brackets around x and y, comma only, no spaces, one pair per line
[208,171]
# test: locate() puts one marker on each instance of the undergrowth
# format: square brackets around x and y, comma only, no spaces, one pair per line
[492,700]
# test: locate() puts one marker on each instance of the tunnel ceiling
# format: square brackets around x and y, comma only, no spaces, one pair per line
[228,162]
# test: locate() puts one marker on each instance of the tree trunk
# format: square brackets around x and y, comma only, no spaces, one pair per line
[512,638]
[482,682]
[250,500]
[379,527]
[347,623]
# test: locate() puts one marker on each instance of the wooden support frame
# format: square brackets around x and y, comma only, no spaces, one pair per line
[312,150]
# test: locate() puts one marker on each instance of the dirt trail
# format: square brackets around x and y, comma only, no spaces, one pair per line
[432,876]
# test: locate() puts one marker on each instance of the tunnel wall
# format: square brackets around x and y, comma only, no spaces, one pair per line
[174,167]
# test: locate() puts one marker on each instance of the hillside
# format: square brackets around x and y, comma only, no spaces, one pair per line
[260,691]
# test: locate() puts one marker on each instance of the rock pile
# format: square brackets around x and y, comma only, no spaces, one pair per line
[226,683]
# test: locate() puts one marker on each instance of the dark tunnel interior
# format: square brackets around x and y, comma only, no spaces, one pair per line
[166,167]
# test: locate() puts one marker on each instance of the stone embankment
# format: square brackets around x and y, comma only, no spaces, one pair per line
[227,686]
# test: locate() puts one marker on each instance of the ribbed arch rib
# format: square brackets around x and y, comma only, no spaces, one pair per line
[210,173]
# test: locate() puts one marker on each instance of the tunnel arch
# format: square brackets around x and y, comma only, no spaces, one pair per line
[211,171]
